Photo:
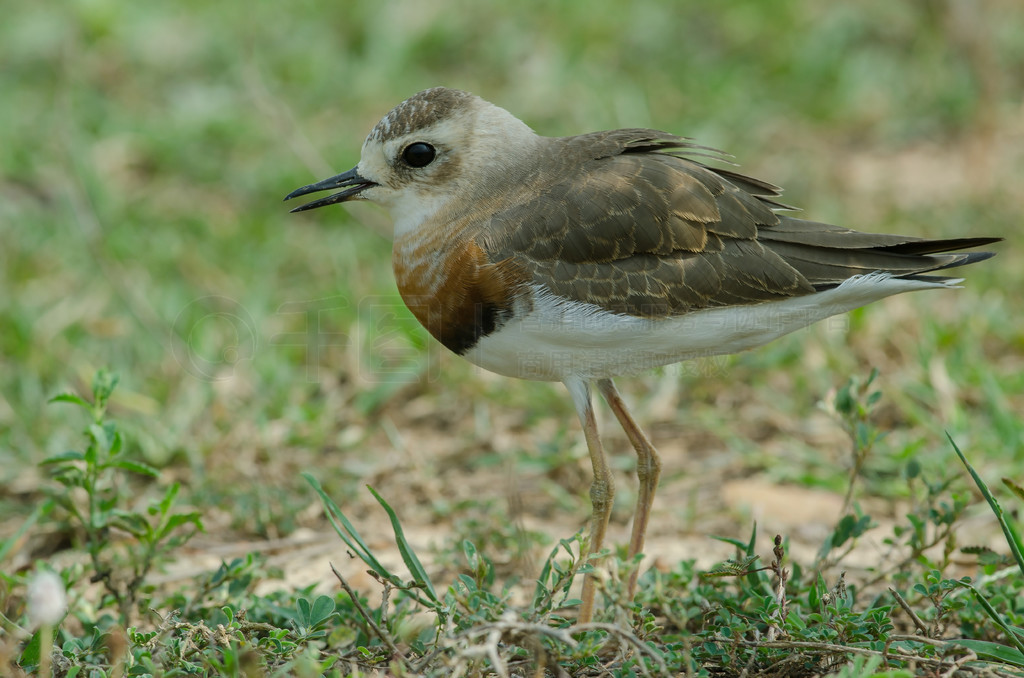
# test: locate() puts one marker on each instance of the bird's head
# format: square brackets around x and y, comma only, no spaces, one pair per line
[435,150]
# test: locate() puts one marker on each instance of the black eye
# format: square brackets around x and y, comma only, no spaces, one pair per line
[418,154]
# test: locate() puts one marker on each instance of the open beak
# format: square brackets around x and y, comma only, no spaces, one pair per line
[350,181]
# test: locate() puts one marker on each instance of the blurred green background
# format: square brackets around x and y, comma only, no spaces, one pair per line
[145,149]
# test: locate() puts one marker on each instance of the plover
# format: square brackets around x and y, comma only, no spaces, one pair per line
[580,259]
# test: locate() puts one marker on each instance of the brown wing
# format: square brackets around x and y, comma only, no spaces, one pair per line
[635,229]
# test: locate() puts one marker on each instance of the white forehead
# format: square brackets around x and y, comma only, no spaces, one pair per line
[453,131]
[444,115]
[422,111]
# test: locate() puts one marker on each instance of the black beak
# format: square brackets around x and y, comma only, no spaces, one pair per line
[350,181]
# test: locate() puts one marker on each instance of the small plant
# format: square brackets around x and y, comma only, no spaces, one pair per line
[94,493]
[932,521]
[853,405]
[775,617]
[1012,652]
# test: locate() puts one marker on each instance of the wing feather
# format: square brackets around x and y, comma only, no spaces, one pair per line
[635,226]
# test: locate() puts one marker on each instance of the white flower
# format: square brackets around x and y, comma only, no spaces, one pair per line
[47,601]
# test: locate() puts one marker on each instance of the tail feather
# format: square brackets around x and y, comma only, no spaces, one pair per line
[827,255]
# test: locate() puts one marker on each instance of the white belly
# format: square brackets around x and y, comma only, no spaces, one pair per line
[561,338]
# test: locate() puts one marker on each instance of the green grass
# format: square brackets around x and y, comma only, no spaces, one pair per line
[144,152]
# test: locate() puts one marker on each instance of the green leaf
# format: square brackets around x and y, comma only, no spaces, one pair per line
[70,455]
[130,522]
[98,434]
[991,651]
[136,467]
[752,542]
[913,469]
[541,594]
[172,523]
[844,402]
[816,592]
[348,534]
[322,610]
[1012,635]
[302,612]
[1009,531]
[347,531]
[1015,488]
[116,440]
[70,398]
[734,568]
[844,530]
[30,655]
[168,499]
[741,545]
[103,384]
[419,574]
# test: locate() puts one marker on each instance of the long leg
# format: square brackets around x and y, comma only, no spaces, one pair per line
[648,468]
[602,490]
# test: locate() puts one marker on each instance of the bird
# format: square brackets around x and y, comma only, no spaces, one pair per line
[585,258]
